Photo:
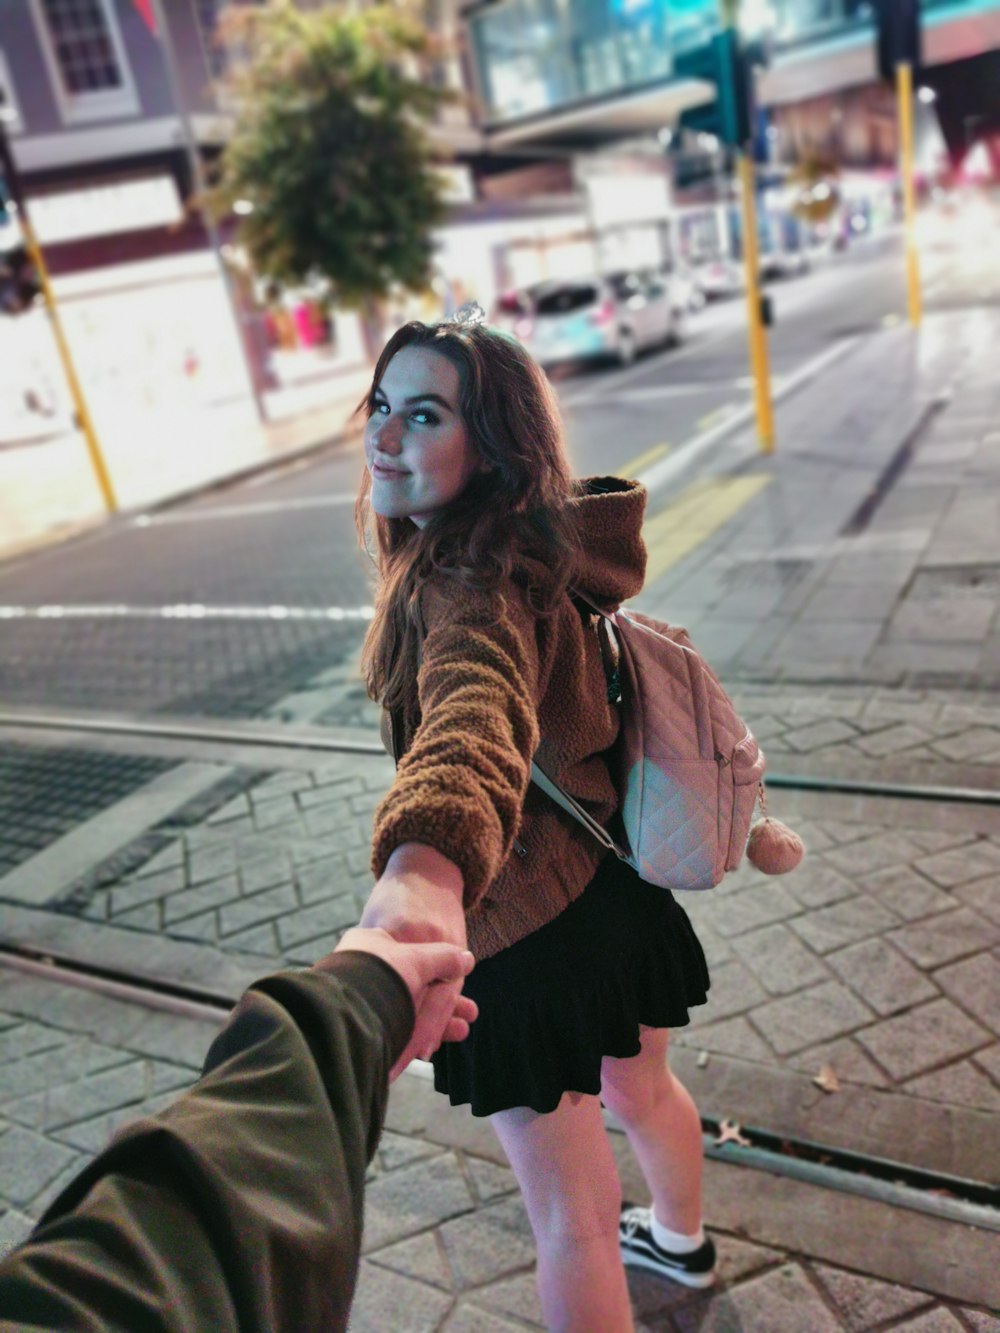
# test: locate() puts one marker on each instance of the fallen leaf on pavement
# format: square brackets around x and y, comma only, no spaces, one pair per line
[729,1132]
[827,1079]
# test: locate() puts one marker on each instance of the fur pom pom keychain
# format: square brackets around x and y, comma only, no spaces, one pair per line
[773,847]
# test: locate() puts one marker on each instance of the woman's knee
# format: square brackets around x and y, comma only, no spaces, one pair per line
[633,1088]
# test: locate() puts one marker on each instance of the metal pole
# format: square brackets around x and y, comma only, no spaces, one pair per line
[904,98]
[199,184]
[82,412]
[757,338]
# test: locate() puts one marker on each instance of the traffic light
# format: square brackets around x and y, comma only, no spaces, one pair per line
[724,62]
[897,26]
[19,284]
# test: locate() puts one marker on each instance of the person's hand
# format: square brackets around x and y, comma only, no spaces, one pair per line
[418,899]
[429,971]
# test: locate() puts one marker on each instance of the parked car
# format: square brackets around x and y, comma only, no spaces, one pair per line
[514,313]
[783,264]
[682,281]
[573,319]
[718,277]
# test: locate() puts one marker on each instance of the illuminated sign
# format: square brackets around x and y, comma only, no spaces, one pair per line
[104,210]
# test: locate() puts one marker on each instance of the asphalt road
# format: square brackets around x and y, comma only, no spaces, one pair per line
[215,608]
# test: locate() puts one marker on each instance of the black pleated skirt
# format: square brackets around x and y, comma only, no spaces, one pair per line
[552,1005]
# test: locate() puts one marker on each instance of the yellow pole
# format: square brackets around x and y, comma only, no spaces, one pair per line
[76,392]
[759,363]
[904,97]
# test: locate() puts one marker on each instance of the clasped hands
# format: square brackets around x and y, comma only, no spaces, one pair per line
[414,919]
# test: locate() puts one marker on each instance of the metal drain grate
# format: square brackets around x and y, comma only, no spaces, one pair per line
[46,793]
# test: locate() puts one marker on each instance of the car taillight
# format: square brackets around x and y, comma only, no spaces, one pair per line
[523,328]
[604,314]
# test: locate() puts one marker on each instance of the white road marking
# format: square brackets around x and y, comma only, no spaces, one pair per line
[184,611]
[663,472]
[333,501]
[606,387]
[704,387]
[268,478]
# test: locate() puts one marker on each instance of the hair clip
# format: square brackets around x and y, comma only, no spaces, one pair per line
[468,315]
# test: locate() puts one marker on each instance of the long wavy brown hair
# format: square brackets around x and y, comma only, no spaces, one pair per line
[509,519]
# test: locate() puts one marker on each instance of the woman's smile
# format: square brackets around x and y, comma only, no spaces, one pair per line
[387,471]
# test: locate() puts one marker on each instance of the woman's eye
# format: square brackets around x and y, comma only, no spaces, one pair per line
[422,415]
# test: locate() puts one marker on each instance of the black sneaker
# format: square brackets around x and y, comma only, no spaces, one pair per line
[640,1250]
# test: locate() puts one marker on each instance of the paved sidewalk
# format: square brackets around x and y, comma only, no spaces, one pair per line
[871,547]
[880,959]
[447,1243]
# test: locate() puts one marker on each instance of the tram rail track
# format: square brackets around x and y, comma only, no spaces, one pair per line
[939,1194]
[278,737]
[866,1175]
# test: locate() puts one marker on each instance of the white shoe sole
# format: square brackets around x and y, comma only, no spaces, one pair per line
[698,1280]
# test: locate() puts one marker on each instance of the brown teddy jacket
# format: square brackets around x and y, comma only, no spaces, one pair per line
[497,682]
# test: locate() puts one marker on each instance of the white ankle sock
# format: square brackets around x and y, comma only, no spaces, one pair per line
[674,1241]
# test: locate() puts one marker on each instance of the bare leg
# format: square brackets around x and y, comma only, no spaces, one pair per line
[566,1170]
[663,1127]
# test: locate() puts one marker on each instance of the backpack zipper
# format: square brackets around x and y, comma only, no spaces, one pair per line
[520,848]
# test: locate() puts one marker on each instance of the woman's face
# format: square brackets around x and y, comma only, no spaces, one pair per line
[416,446]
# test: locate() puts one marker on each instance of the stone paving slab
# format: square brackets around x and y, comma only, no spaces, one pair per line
[279,871]
[74,1066]
[931,737]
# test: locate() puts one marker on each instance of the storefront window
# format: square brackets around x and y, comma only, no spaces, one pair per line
[540,55]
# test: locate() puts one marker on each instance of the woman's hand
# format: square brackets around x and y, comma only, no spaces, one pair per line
[418,899]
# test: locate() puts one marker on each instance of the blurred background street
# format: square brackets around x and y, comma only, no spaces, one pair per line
[188,760]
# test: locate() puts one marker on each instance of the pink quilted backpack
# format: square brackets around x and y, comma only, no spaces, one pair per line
[686,767]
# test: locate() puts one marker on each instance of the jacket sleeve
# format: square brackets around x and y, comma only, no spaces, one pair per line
[240,1206]
[461,785]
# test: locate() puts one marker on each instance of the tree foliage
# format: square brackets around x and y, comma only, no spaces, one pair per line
[330,148]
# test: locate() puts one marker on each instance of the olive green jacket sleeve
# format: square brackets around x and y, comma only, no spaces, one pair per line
[240,1206]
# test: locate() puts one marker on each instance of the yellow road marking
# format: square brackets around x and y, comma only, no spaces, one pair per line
[703,508]
[710,419]
[644,460]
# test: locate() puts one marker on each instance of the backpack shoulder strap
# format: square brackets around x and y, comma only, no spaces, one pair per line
[574,808]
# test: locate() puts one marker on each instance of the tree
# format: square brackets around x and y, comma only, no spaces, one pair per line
[328,165]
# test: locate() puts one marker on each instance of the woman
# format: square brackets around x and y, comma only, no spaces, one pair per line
[481,656]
